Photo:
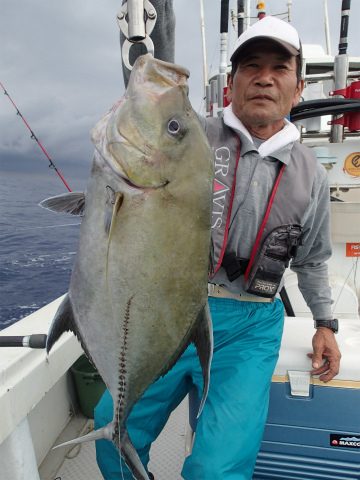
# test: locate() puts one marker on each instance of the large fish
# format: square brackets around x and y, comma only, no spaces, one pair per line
[138,291]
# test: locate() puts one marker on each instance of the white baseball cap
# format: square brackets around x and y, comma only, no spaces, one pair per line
[271,28]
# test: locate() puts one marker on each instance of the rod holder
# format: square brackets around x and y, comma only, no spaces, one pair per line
[341,67]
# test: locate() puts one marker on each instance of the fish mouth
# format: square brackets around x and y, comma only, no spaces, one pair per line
[133,185]
[124,178]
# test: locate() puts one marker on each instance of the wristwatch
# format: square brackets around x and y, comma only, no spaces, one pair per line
[333,324]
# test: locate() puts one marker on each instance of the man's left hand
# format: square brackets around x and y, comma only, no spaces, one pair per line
[325,347]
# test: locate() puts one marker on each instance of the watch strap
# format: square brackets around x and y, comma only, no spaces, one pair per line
[332,324]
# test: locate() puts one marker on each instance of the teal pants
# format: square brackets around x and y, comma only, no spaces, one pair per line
[247,339]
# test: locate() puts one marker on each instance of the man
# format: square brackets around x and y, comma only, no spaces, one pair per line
[270,181]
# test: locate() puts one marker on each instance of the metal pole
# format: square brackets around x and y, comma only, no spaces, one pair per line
[247,14]
[327,29]
[289,5]
[203,44]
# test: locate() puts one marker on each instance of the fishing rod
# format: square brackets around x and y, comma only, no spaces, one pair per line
[37,340]
[52,164]
[224,19]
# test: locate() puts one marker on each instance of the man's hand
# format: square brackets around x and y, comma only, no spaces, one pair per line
[325,347]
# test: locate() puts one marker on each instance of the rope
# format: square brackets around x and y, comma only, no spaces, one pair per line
[73,455]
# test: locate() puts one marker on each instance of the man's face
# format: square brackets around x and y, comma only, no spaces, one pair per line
[264,87]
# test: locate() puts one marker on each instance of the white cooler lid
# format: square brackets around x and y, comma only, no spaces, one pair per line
[297,343]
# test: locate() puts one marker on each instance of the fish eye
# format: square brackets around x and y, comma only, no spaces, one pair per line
[175,128]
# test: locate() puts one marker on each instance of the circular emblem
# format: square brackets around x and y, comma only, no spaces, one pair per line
[335,442]
[352,164]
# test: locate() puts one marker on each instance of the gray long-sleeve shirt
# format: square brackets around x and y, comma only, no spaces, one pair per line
[254,184]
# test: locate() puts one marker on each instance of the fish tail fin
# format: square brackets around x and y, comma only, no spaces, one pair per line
[104,432]
[131,458]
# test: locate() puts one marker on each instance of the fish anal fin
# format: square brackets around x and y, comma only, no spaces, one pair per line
[63,322]
[203,341]
[131,458]
[73,203]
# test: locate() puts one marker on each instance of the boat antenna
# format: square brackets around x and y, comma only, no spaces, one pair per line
[52,164]
[341,67]
[327,29]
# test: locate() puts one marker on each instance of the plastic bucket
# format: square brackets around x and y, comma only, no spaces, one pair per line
[89,385]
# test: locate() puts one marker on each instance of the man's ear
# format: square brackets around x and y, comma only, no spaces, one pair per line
[229,88]
[298,92]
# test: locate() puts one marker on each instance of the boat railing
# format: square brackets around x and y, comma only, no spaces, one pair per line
[318,77]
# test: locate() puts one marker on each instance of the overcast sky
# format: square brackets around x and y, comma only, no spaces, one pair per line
[60,63]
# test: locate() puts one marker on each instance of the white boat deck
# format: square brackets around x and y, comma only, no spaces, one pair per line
[79,462]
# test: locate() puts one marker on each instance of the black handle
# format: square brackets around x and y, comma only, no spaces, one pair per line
[10,341]
[33,341]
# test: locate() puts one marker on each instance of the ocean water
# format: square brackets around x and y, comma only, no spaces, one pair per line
[38,247]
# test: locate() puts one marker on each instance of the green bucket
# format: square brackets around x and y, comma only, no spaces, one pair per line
[89,385]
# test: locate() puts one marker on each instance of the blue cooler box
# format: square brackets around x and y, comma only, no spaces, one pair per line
[313,429]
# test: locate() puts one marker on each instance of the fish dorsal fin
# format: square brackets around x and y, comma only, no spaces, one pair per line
[203,341]
[73,203]
[62,322]
[131,457]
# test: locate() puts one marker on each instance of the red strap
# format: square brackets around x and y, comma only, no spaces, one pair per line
[264,222]
[230,205]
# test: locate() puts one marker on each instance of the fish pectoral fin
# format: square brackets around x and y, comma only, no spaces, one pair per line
[131,458]
[104,432]
[62,322]
[203,341]
[73,203]
[112,209]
